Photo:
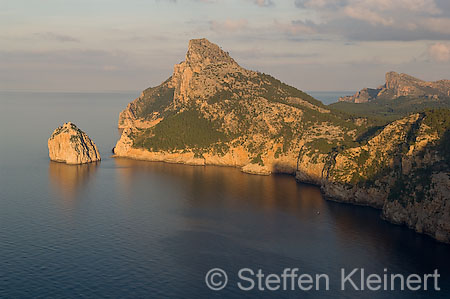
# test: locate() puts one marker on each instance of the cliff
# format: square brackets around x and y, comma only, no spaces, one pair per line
[71,145]
[211,111]
[401,85]
[403,170]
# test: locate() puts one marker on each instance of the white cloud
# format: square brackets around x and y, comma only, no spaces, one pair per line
[229,25]
[441,25]
[373,19]
[365,14]
[294,27]
[439,52]
[423,6]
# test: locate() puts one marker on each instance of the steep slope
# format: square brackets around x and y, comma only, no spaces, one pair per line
[212,111]
[404,170]
[401,85]
[70,145]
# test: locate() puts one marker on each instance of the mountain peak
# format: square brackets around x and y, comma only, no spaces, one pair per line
[400,84]
[394,79]
[390,75]
[203,51]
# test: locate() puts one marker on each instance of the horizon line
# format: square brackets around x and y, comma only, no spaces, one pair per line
[126,90]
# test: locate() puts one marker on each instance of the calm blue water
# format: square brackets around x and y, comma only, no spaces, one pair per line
[328,97]
[129,229]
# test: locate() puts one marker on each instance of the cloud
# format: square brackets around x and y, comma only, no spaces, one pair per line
[320,4]
[428,6]
[439,52]
[365,14]
[294,27]
[439,25]
[380,19]
[56,37]
[228,25]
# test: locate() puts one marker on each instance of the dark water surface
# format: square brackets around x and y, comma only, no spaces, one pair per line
[130,229]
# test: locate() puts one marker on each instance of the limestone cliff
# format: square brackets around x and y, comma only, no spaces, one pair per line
[211,111]
[71,145]
[404,170]
[401,85]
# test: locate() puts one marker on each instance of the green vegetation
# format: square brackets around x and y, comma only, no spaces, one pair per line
[397,190]
[322,145]
[386,110]
[220,96]
[415,187]
[187,129]
[287,135]
[155,99]
[74,138]
[277,153]
[438,120]
[275,90]
[444,147]
[258,160]
[363,156]
[370,132]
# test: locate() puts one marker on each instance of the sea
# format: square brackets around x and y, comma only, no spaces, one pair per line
[122,228]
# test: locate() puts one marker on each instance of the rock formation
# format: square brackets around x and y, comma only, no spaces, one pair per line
[211,111]
[403,170]
[401,85]
[71,145]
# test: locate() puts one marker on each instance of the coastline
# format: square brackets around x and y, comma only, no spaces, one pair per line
[253,121]
[331,191]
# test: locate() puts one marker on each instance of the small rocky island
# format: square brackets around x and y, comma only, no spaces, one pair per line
[70,145]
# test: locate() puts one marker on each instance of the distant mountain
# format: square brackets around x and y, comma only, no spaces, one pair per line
[211,111]
[401,85]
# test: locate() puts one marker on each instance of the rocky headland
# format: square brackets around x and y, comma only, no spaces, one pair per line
[70,145]
[401,85]
[211,111]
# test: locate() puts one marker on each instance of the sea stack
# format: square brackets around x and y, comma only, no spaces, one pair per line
[70,145]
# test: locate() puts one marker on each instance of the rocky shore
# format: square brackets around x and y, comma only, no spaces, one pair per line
[211,111]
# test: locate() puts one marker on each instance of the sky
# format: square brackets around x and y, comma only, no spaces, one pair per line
[320,45]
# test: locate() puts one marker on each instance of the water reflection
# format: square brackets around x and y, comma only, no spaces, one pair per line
[226,187]
[69,180]
[363,227]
